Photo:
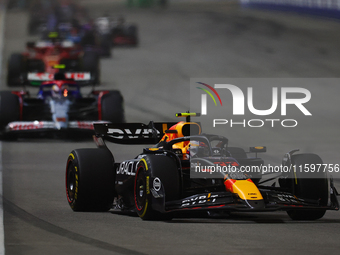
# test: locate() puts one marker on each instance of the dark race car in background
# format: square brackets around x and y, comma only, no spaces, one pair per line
[87,36]
[103,37]
[48,56]
[58,107]
[162,179]
[38,17]
[44,15]
[124,34]
[116,31]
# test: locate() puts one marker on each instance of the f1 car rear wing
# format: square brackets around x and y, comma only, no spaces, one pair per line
[133,133]
[139,133]
[41,77]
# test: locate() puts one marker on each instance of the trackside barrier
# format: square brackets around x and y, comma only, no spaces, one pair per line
[326,8]
[140,3]
[145,3]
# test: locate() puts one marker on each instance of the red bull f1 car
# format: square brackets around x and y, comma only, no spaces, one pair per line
[162,179]
[59,106]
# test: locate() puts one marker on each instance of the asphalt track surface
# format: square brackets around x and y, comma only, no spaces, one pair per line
[178,43]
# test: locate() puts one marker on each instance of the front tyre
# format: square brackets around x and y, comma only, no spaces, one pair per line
[90,180]
[142,194]
[132,32]
[309,185]
[150,167]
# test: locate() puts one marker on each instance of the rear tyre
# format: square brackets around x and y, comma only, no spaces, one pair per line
[91,64]
[237,153]
[9,108]
[33,24]
[113,107]
[9,111]
[132,31]
[149,168]
[90,180]
[105,46]
[241,156]
[16,67]
[309,185]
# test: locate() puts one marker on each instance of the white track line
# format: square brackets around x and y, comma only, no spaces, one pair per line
[2,234]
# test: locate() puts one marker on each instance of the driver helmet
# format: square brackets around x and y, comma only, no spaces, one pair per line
[56,91]
[198,149]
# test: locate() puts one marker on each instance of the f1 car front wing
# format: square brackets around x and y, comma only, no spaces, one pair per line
[37,126]
[273,201]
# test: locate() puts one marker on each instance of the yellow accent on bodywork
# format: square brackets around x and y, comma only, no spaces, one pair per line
[247,190]
[165,127]
[53,35]
[186,114]
[60,66]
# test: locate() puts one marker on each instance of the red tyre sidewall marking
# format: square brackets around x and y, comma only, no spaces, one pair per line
[135,194]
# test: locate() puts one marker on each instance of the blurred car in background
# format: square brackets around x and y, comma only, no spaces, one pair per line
[124,34]
[117,31]
[58,106]
[50,55]
[48,14]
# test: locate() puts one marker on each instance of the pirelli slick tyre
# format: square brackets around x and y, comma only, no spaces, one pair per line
[309,185]
[237,152]
[113,107]
[15,68]
[132,31]
[241,156]
[149,168]
[90,180]
[90,63]
[105,46]
[33,24]
[9,108]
